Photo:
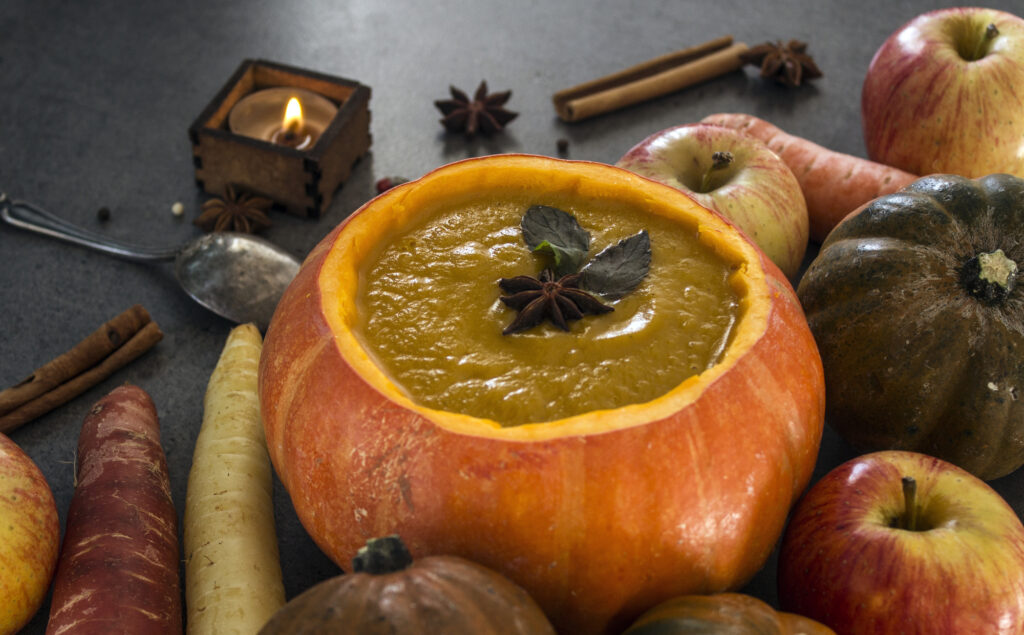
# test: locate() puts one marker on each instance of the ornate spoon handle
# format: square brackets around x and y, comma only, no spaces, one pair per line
[27,216]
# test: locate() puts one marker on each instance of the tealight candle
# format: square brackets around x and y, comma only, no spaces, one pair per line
[288,116]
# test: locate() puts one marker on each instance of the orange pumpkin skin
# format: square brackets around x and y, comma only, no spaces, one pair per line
[598,516]
[727,613]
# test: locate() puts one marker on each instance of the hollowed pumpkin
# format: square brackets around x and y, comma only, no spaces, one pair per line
[913,303]
[598,515]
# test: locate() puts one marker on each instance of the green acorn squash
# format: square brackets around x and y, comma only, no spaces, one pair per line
[913,302]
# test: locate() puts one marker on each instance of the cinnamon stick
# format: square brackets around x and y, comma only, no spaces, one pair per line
[653,78]
[112,346]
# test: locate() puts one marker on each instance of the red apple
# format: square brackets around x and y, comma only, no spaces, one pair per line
[749,185]
[29,537]
[945,93]
[902,542]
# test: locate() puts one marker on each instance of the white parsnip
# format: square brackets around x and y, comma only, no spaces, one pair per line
[232,568]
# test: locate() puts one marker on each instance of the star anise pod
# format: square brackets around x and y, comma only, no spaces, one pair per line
[789,64]
[235,212]
[544,297]
[484,113]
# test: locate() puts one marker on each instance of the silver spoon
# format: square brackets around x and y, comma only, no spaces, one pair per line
[237,276]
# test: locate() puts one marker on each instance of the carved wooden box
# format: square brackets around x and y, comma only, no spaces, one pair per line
[301,181]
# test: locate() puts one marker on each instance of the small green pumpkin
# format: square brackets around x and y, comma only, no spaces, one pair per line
[388,592]
[722,614]
[914,305]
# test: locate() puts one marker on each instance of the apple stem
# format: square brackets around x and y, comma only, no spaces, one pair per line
[719,160]
[909,503]
[990,34]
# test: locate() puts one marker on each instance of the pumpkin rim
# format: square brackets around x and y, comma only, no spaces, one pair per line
[359,234]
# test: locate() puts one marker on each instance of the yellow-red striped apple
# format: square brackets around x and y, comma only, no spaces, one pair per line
[902,542]
[29,537]
[945,94]
[735,175]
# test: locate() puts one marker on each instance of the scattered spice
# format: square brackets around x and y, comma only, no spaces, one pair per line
[240,212]
[103,214]
[389,182]
[654,78]
[788,64]
[112,346]
[178,209]
[485,113]
[563,145]
[544,297]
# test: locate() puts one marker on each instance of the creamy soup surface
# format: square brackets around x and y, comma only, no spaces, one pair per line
[430,314]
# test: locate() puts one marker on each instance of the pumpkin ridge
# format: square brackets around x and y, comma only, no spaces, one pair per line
[994,406]
[437,586]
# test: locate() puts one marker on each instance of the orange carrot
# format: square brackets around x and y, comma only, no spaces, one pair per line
[118,567]
[834,184]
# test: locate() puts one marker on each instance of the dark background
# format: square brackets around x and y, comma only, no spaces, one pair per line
[96,98]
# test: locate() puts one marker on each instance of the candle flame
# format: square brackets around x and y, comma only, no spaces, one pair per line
[292,116]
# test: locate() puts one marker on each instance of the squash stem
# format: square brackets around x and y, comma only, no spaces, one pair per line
[989,276]
[382,555]
[909,503]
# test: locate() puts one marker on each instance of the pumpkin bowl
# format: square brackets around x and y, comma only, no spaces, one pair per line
[598,515]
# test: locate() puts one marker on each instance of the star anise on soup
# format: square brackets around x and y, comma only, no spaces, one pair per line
[788,64]
[484,113]
[544,297]
[238,212]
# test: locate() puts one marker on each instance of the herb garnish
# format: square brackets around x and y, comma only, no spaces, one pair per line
[566,291]
[552,231]
[544,297]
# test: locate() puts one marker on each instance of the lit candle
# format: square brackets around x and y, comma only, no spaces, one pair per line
[293,131]
[287,116]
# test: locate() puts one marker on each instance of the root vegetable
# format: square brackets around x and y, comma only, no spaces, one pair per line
[232,569]
[118,567]
[834,184]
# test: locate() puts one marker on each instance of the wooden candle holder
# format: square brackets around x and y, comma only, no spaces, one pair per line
[301,181]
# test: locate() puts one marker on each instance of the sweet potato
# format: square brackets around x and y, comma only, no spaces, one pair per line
[232,570]
[834,184]
[118,567]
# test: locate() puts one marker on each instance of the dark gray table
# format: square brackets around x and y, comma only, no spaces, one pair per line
[96,98]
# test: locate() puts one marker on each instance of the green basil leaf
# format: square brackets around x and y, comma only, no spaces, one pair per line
[620,268]
[552,231]
[566,260]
